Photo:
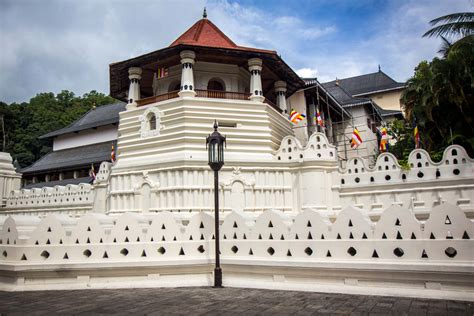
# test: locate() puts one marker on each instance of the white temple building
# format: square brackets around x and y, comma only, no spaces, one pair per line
[301,210]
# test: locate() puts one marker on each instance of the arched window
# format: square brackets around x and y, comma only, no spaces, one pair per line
[152,121]
[174,86]
[216,85]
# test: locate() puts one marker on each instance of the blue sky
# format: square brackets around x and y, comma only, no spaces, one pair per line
[53,45]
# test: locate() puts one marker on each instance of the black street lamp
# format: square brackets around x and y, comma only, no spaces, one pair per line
[215,144]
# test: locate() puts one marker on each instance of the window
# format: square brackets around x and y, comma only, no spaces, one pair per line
[152,122]
[216,85]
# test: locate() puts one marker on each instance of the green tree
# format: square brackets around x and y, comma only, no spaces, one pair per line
[440,97]
[44,113]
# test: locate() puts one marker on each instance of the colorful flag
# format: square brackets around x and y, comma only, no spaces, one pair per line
[162,72]
[384,140]
[416,134]
[296,117]
[356,140]
[92,172]
[319,119]
[112,154]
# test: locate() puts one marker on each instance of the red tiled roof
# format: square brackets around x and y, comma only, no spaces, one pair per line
[205,33]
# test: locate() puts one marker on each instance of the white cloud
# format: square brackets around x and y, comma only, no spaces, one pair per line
[53,45]
[307,72]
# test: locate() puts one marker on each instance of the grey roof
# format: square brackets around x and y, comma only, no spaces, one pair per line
[99,116]
[313,82]
[70,158]
[59,182]
[384,113]
[368,83]
[342,96]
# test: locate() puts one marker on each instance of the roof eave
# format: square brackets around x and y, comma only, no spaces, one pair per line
[115,68]
[379,91]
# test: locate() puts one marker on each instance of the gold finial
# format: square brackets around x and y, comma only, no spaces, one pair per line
[204,13]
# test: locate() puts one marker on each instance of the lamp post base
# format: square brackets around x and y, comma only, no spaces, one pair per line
[217,277]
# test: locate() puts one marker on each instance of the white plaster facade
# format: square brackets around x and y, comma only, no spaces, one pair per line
[86,137]
[9,178]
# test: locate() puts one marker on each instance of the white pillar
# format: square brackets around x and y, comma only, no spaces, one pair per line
[280,90]
[255,68]
[134,74]
[187,76]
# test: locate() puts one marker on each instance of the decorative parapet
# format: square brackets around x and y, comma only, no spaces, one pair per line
[98,233]
[420,186]
[103,174]
[456,164]
[439,256]
[52,199]
[318,148]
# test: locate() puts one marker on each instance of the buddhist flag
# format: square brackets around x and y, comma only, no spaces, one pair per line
[296,117]
[112,154]
[92,172]
[356,140]
[162,72]
[384,140]
[416,134]
[319,119]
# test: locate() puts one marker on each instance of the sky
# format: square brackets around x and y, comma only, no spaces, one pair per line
[54,45]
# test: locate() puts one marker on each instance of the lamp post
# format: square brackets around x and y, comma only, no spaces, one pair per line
[215,144]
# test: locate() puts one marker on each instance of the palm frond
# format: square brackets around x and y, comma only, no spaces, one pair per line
[454,17]
[452,29]
[445,47]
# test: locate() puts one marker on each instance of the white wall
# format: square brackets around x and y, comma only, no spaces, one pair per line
[9,179]
[298,102]
[86,137]
[369,147]
[301,251]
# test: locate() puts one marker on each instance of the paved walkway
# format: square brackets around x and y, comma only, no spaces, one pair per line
[226,301]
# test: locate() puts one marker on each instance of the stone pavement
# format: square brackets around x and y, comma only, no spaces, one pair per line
[225,301]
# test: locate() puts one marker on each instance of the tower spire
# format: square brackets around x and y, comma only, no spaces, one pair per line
[204,13]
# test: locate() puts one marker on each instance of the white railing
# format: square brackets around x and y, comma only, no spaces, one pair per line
[71,195]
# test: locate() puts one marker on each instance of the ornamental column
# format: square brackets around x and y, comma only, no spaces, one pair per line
[280,90]
[187,76]
[134,74]
[255,68]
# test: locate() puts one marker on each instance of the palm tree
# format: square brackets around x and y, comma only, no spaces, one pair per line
[445,47]
[453,25]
